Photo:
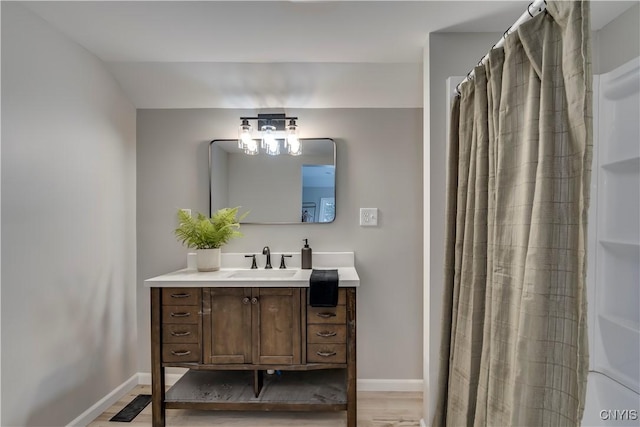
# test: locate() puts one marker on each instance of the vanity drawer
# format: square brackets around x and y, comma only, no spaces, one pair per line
[327,333]
[342,297]
[180,314]
[181,296]
[180,353]
[327,353]
[327,315]
[179,333]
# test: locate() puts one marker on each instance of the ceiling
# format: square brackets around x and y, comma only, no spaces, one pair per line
[246,54]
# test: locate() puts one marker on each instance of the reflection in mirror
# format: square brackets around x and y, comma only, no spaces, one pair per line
[275,189]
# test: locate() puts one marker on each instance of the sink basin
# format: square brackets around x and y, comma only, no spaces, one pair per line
[262,274]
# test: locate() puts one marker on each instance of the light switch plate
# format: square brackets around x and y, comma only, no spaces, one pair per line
[368,217]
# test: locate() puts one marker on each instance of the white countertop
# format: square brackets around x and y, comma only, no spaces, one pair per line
[223,278]
[347,277]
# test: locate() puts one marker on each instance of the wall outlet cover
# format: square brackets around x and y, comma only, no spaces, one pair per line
[368,217]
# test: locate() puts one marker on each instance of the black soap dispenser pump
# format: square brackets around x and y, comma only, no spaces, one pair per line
[305,254]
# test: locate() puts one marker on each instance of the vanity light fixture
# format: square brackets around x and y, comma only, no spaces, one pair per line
[273,130]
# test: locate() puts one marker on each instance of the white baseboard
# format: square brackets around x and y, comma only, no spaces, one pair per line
[389,385]
[363,384]
[105,403]
[170,378]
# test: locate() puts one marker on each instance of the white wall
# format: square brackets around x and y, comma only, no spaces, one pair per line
[379,164]
[68,226]
[618,42]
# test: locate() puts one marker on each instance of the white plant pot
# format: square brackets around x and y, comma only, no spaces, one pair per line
[208,259]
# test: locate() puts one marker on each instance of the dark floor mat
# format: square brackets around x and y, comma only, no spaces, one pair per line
[132,410]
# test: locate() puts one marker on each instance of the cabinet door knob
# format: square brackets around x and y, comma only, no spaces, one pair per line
[326,334]
[254,300]
[326,353]
[246,300]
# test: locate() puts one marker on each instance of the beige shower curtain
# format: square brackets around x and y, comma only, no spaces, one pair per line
[514,343]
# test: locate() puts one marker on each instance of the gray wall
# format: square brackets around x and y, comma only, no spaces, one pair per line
[68,230]
[379,164]
[618,42]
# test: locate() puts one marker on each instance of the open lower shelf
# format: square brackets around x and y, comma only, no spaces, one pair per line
[233,390]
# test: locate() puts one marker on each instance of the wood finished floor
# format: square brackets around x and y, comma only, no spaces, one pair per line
[375,409]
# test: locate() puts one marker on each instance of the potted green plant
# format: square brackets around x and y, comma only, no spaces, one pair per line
[207,235]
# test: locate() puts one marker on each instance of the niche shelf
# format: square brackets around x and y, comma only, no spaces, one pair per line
[629,325]
[624,165]
[615,234]
[619,274]
[620,354]
[619,244]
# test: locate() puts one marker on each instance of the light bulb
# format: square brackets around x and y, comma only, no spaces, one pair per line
[246,140]
[244,134]
[273,147]
[269,142]
[252,147]
[292,142]
[294,147]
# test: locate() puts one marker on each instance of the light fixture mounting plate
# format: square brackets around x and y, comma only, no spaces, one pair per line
[274,119]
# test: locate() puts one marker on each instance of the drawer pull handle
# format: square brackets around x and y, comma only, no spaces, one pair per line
[181,314]
[326,334]
[181,353]
[181,295]
[326,315]
[180,334]
[326,353]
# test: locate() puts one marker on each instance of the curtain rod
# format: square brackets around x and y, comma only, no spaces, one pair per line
[535,8]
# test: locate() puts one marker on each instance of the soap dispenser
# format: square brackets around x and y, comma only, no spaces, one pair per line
[305,255]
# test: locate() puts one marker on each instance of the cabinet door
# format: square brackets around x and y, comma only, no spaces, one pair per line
[227,325]
[276,326]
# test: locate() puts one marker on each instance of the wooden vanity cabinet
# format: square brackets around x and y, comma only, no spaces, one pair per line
[228,337]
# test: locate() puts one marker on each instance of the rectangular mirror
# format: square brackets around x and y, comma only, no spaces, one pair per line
[280,189]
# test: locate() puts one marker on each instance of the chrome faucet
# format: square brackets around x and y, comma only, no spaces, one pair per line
[266,251]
